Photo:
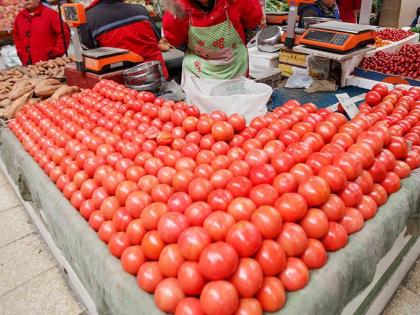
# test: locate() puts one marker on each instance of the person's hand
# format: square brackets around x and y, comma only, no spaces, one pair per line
[174,7]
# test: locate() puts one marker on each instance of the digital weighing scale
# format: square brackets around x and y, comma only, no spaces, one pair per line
[99,60]
[338,37]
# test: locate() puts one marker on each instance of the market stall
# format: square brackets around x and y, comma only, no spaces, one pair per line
[153,206]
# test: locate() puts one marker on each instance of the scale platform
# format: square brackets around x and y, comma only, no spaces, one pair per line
[338,37]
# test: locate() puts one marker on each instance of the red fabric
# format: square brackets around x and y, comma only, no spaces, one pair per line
[244,14]
[45,40]
[347,8]
[138,38]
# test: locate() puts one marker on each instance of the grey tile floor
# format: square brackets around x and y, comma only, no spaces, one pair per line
[31,282]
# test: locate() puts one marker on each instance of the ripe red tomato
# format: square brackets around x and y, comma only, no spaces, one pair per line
[327,130]
[379,194]
[199,189]
[350,164]
[351,194]
[402,169]
[189,306]
[190,279]
[398,146]
[222,131]
[132,258]
[272,295]
[336,237]
[285,183]
[112,180]
[219,199]
[373,98]
[255,157]
[377,171]
[248,307]
[268,221]
[149,276]
[315,223]
[152,213]
[218,261]
[343,140]
[244,230]
[271,258]
[293,239]
[301,172]
[296,275]
[135,232]
[241,208]
[109,206]
[263,194]
[292,207]
[96,219]
[365,181]
[239,186]
[152,245]
[318,160]
[381,88]
[168,294]
[237,121]
[352,221]
[367,207]
[118,243]
[220,178]
[391,183]
[217,224]
[171,225]
[170,260]
[315,190]
[248,277]
[197,212]
[262,174]
[283,162]
[192,241]
[315,255]
[219,298]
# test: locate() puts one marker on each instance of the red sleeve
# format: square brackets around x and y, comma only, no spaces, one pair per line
[251,14]
[357,4]
[175,30]
[58,50]
[16,37]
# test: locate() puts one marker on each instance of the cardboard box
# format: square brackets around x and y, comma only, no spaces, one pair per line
[292,58]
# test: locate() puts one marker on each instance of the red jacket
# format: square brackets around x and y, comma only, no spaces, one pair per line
[113,23]
[38,36]
[347,8]
[244,14]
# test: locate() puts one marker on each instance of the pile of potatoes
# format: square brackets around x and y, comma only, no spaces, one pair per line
[31,84]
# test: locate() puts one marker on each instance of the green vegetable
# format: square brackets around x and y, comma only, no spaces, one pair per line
[276,6]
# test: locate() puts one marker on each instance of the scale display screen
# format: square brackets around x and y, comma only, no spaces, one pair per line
[71,14]
[327,37]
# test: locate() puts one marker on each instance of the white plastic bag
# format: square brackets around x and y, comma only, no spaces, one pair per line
[242,95]
[299,79]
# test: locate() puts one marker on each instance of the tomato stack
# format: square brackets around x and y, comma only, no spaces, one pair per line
[211,215]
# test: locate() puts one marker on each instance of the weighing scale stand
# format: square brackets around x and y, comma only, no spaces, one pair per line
[291,21]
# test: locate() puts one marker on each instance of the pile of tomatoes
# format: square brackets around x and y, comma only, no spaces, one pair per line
[393,35]
[403,62]
[214,216]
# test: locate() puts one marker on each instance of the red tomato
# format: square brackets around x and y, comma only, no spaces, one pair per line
[190,279]
[381,88]
[352,221]
[239,168]
[218,261]
[109,206]
[96,219]
[244,230]
[178,202]
[336,237]
[377,171]
[315,190]
[343,140]
[373,98]
[192,242]
[219,298]
[168,294]
[315,223]
[255,157]
[364,153]
[135,232]
[318,160]
[350,164]
[249,307]
[237,121]
[388,159]
[189,306]
[379,194]
[197,212]
[112,180]
[217,224]
[124,189]
[292,207]
[219,199]
[222,131]
[149,276]
[315,255]
[152,213]
[301,172]
[283,162]
[136,202]
[272,295]
[268,221]
[171,225]
[391,183]
[170,260]
[199,189]
[351,194]
[293,239]
[262,174]
[248,277]
[402,169]
[132,258]
[271,258]
[121,219]
[241,208]
[365,181]
[296,275]
[152,245]
[326,129]
[398,147]
[118,243]
[263,195]
[106,230]
[367,207]
[285,183]
[239,186]
[274,147]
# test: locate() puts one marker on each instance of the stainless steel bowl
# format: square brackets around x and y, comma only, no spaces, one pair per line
[310,20]
[146,76]
[269,39]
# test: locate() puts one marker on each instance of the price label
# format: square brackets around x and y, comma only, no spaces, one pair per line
[348,105]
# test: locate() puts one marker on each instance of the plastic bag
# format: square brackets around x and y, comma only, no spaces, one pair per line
[242,95]
[10,57]
[299,79]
